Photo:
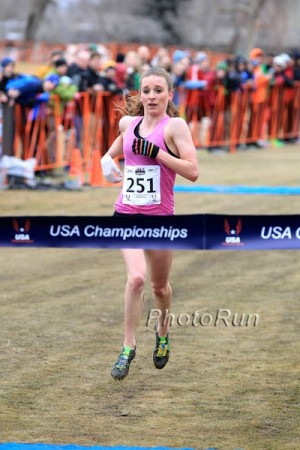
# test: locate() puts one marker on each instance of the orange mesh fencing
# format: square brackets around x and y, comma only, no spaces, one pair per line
[89,123]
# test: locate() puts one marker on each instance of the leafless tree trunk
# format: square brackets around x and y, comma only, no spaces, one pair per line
[35,18]
[245,14]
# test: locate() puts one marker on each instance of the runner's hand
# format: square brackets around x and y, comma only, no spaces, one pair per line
[110,169]
[144,148]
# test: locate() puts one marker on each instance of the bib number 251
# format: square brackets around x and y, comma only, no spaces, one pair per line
[140,185]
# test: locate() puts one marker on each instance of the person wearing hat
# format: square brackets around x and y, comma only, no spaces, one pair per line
[179,55]
[7,73]
[25,89]
[65,89]
[243,69]
[28,91]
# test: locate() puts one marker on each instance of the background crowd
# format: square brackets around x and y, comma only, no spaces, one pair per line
[91,68]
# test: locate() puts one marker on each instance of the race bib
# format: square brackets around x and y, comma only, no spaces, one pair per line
[141,185]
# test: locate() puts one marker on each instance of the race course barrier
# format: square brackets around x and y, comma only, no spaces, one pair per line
[241,190]
[194,231]
[51,131]
[42,446]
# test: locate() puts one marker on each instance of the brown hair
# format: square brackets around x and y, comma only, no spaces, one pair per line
[133,104]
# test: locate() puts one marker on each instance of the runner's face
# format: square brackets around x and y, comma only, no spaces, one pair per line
[155,95]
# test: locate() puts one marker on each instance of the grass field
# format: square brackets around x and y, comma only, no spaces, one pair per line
[226,387]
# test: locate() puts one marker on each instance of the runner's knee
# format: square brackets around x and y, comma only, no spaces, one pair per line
[136,282]
[159,290]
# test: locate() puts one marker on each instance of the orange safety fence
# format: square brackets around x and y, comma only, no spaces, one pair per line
[89,124]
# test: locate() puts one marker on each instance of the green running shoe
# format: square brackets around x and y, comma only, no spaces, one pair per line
[161,351]
[121,367]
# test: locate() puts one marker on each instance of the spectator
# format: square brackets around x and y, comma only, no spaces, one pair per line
[233,79]
[166,63]
[259,104]
[280,77]
[296,57]
[200,103]
[8,128]
[42,71]
[109,83]
[181,56]
[66,89]
[144,68]
[93,47]
[78,70]
[161,53]
[246,74]
[30,92]
[25,89]
[94,79]
[101,50]
[8,73]
[288,96]
[201,70]
[133,64]
[108,78]
[60,67]
[246,85]
[121,71]
[268,61]
[144,54]
[178,76]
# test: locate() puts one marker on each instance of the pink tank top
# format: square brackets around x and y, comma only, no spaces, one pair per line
[167,176]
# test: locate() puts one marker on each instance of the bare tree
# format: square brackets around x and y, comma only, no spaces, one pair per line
[232,26]
[35,17]
[245,15]
[166,13]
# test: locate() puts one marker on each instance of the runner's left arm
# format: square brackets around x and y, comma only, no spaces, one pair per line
[187,163]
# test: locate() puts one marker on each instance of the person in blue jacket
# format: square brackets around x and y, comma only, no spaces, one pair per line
[28,89]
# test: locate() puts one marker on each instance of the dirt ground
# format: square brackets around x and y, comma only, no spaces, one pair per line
[225,386]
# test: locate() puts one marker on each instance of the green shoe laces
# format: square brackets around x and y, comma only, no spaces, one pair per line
[163,347]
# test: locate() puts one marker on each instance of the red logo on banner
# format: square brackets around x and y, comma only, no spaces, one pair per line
[22,235]
[233,234]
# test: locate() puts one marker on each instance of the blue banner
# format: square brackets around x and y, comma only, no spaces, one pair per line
[197,231]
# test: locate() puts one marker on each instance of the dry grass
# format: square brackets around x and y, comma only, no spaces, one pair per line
[61,330]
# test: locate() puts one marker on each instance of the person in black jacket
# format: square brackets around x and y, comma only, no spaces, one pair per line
[296,57]
[79,70]
[8,73]
[94,79]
